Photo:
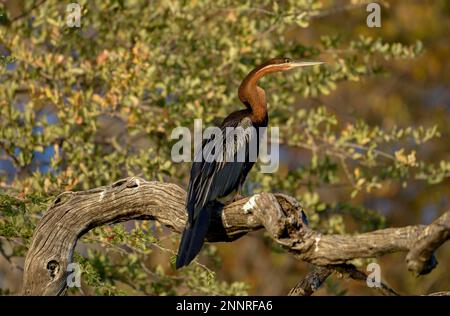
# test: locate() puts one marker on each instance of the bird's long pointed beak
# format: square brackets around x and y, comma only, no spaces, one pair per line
[295,64]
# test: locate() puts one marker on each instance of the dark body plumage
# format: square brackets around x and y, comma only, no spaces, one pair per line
[212,180]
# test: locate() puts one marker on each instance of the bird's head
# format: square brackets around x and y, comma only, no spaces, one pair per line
[247,89]
[283,64]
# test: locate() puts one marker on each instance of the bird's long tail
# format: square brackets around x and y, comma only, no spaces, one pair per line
[194,236]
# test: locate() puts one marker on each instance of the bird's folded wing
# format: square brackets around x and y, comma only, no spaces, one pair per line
[218,171]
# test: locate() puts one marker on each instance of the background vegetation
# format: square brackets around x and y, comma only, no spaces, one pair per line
[365,137]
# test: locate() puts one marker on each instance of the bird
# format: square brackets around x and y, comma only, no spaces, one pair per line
[215,180]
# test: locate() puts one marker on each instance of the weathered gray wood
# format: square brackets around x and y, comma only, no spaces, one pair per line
[311,282]
[74,213]
[352,272]
[420,258]
[315,278]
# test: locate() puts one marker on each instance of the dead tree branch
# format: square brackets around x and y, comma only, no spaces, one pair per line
[420,258]
[355,274]
[312,282]
[73,214]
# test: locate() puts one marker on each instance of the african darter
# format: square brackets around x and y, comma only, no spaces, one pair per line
[211,181]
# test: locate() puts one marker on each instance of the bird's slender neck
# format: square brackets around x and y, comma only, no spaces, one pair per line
[254,96]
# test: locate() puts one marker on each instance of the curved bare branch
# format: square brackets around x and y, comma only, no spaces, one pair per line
[74,213]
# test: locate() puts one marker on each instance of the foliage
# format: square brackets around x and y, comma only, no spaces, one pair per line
[83,107]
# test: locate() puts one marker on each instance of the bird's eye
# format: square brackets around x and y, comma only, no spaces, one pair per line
[287,60]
